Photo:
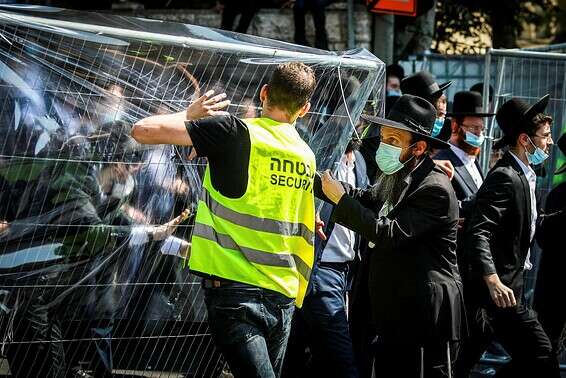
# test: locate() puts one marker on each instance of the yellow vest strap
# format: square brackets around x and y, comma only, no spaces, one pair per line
[253,255]
[256,223]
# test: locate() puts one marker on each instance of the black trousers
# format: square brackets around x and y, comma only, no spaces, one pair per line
[37,350]
[519,332]
[322,326]
[409,360]
[245,8]
[318,11]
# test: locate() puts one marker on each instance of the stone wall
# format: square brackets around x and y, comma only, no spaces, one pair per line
[278,23]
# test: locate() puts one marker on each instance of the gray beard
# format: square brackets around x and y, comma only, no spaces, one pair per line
[388,188]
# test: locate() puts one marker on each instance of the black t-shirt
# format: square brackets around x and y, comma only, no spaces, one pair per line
[225,141]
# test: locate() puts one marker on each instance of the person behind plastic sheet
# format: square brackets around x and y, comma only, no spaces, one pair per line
[76,283]
[422,84]
[497,245]
[322,323]
[410,219]
[254,230]
[467,121]
[550,277]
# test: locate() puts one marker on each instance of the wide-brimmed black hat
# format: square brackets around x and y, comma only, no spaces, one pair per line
[413,114]
[514,116]
[468,104]
[478,87]
[395,70]
[561,143]
[422,84]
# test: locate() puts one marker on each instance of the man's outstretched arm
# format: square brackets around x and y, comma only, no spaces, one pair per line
[170,128]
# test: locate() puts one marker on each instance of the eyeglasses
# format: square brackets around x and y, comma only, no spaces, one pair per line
[476,128]
[547,137]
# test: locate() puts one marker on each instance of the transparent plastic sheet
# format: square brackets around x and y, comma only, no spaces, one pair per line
[82,282]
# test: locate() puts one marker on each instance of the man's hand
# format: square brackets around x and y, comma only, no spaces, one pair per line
[319,227]
[501,294]
[165,230]
[207,106]
[446,166]
[3,227]
[332,188]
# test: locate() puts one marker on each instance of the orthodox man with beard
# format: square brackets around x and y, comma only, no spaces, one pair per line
[410,219]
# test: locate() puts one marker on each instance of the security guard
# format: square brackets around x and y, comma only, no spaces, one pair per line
[254,229]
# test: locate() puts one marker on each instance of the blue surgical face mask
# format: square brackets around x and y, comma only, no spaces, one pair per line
[537,157]
[393,93]
[474,140]
[387,158]
[438,124]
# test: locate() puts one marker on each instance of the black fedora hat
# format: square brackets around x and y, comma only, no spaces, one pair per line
[561,143]
[514,116]
[413,114]
[478,87]
[422,84]
[468,104]
[395,70]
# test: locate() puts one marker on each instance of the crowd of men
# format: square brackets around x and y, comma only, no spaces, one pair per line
[415,269]
[412,267]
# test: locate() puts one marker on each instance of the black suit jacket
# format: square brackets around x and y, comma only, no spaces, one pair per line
[414,286]
[550,279]
[498,230]
[466,189]
[462,182]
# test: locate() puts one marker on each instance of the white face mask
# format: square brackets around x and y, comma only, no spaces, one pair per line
[121,191]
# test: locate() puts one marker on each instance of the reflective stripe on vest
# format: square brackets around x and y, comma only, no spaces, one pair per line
[253,255]
[264,238]
[258,224]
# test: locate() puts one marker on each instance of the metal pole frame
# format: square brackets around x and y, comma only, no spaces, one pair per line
[237,47]
[486,150]
[351,25]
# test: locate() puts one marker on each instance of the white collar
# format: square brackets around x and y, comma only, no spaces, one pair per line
[527,170]
[462,155]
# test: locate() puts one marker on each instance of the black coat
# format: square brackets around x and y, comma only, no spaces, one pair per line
[498,230]
[550,281]
[462,182]
[465,189]
[414,286]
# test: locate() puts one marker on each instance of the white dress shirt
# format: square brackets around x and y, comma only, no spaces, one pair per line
[532,179]
[340,245]
[469,162]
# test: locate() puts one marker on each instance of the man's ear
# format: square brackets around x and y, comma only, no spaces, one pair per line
[523,139]
[263,93]
[454,125]
[420,148]
[304,110]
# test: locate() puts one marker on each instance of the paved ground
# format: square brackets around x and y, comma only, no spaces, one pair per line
[5,372]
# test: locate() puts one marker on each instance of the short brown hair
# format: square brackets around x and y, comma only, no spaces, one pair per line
[291,86]
[539,120]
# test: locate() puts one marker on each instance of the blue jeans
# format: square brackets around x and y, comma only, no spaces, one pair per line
[322,325]
[251,327]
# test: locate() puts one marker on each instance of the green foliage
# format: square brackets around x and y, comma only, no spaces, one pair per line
[462,24]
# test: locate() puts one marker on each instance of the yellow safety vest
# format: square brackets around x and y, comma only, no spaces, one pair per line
[266,237]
